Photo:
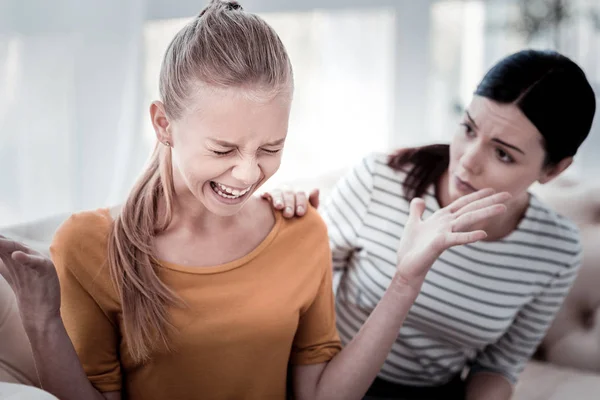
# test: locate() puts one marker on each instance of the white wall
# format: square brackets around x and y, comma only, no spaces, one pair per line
[412,49]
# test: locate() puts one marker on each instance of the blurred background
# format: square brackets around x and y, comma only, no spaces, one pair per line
[77,78]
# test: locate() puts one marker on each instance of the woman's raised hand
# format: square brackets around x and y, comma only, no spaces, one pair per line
[424,240]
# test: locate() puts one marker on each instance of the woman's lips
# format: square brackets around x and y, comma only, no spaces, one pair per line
[463,186]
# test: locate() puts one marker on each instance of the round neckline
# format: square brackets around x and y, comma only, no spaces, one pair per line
[231,265]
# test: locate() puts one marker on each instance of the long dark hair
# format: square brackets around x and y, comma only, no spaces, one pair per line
[551,91]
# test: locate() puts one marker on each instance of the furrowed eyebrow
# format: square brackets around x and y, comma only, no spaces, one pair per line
[495,140]
[509,145]
[471,120]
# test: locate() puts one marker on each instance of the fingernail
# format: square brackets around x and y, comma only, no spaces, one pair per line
[278,203]
[288,210]
[300,210]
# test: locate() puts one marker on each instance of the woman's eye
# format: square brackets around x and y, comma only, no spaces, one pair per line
[468,129]
[504,156]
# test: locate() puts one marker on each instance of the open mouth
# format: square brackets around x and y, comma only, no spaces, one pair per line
[228,192]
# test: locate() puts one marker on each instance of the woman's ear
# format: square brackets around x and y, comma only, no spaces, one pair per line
[552,171]
[160,122]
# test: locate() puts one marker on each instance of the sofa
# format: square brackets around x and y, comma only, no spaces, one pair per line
[18,377]
[566,365]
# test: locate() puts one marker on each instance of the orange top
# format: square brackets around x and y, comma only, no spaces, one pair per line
[246,319]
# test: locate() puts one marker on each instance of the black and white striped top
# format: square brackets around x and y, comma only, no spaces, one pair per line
[486,305]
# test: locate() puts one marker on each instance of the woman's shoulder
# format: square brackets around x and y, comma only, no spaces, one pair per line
[542,213]
[378,165]
[381,179]
[308,228]
[82,239]
[305,240]
[263,212]
[372,171]
[84,226]
[551,226]
[374,161]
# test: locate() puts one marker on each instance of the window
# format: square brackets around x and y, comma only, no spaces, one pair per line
[468,37]
[343,103]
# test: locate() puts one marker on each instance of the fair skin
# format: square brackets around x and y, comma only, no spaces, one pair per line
[211,148]
[496,146]
[227,139]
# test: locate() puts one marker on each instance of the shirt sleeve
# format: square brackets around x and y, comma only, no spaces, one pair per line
[93,334]
[509,355]
[345,209]
[316,340]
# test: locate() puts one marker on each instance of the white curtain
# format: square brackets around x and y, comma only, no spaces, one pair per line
[70,94]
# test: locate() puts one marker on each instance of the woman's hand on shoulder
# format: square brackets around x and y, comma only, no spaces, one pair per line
[291,203]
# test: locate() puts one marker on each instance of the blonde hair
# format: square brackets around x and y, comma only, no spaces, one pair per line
[223,47]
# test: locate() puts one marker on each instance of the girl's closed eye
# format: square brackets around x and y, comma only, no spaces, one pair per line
[271,151]
[222,152]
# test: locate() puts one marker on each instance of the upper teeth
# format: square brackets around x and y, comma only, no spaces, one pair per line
[233,192]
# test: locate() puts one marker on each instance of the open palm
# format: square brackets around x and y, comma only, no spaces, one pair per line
[423,241]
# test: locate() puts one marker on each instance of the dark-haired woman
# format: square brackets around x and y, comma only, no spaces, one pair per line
[484,307]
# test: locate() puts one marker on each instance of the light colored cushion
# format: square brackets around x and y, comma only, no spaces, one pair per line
[16,359]
[35,234]
[544,381]
[11,391]
[573,340]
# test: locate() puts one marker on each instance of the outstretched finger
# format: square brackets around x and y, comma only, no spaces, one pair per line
[417,207]
[462,223]
[301,203]
[469,198]
[289,203]
[276,198]
[267,196]
[313,198]
[460,238]
[8,247]
[29,260]
[498,198]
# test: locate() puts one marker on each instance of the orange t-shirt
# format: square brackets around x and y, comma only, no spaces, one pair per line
[245,320]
